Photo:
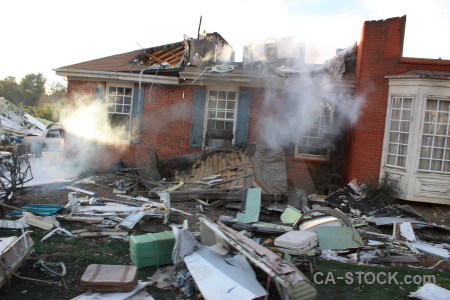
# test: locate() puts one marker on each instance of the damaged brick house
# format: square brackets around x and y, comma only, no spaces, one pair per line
[187,96]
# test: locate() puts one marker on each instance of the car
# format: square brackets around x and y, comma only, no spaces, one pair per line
[51,140]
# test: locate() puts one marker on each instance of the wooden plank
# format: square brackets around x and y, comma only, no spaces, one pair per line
[153,57]
[201,170]
[132,219]
[102,233]
[214,167]
[75,189]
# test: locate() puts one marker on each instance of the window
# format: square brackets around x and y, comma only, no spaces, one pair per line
[435,146]
[399,125]
[316,139]
[55,134]
[119,101]
[221,114]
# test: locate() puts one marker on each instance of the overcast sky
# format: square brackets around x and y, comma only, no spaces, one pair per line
[39,36]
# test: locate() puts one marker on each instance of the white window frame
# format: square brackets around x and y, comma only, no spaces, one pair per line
[130,105]
[415,183]
[207,107]
[446,136]
[317,156]
[399,131]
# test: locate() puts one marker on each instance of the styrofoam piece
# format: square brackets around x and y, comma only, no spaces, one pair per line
[431,292]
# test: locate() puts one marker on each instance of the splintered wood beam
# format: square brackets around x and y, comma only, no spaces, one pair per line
[169,53]
[153,57]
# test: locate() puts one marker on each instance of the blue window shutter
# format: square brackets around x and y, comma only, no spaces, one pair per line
[198,111]
[99,93]
[243,113]
[136,115]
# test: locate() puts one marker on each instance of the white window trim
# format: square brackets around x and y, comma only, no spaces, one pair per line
[387,130]
[420,132]
[124,85]
[417,185]
[205,116]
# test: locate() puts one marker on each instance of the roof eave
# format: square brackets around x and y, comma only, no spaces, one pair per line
[104,75]
[195,78]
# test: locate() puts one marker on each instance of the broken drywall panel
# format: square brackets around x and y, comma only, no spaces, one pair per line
[142,295]
[219,277]
[407,231]
[114,296]
[252,205]
[431,292]
[289,280]
[185,244]
[338,238]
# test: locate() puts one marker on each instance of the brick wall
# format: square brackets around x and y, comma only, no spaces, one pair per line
[166,124]
[379,54]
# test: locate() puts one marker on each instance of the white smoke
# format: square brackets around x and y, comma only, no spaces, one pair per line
[290,112]
[89,137]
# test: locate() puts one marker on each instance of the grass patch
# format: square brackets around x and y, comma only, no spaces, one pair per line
[75,253]
[341,280]
[78,253]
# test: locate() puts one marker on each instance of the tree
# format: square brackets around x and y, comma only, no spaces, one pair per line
[10,90]
[32,87]
[57,93]
[49,105]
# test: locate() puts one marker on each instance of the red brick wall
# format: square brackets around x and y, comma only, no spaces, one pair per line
[79,87]
[379,54]
[167,113]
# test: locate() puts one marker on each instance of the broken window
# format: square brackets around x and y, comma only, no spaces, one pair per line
[119,104]
[399,125]
[221,115]
[435,146]
[316,140]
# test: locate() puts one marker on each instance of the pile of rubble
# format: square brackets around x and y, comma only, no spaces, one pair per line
[238,248]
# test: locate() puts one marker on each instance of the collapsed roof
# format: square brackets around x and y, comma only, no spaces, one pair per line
[208,48]
[14,121]
[210,53]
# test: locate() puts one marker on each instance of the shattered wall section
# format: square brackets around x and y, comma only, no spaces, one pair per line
[210,48]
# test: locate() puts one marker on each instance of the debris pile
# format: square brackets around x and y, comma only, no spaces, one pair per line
[228,212]
[15,124]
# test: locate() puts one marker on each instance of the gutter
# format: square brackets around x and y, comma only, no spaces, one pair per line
[117,76]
